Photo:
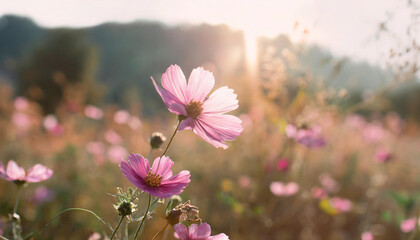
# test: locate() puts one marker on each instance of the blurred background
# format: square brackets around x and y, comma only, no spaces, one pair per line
[329,96]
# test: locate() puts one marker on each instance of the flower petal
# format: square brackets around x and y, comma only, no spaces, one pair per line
[186,124]
[38,173]
[200,83]
[14,172]
[220,236]
[162,166]
[173,104]
[199,232]
[220,101]
[182,231]
[173,185]
[173,80]
[218,128]
[139,164]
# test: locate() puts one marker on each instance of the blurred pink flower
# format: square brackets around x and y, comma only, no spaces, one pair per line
[341,204]
[134,122]
[244,181]
[93,112]
[112,137]
[318,192]
[383,156]
[204,115]
[328,183]
[309,137]
[367,236]
[373,133]
[21,121]
[284,189]
[95,148]
[51,125]
[197,232]
[95,236]
[159,180]
[21,103]
[121,116]
[14,173]
[355,121]
[116,153]
[42,194]
[408,225]
[283,164]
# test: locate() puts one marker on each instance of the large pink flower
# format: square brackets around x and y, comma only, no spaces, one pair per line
[204,115]
[159,180]
[14,173]
[197,232]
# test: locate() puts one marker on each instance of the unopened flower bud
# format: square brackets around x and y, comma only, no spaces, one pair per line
[157,139]
[125,208]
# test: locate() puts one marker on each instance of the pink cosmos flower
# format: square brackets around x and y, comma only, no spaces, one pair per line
[367,236]
[197,232]
[284,189]
[14,173]
[318,193]
[121,116]
[113,137]
[244,181]
[158,181]
[204,115]
[283,164]
[51,125]
[93,112]
[21,103]
[21,120]
[309,137]
[116,153]
[134,122]
[408,225]
[328,183]
[373,133]
[341,204]
[383,156]
[42,195]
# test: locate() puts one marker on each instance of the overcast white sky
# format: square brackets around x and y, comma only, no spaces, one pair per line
[346,27]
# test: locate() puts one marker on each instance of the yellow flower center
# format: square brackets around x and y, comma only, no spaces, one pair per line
[194,109]
[153,179]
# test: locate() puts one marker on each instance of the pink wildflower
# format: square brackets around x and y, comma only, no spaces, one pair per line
[121,116]
[318,193]
[21,121]
[158,180]
[42,194]
[14,173]
[21,103]
[93,112]
[134,122]
[341,204]
[113,137]
[197,232]
[244,181]
[282,189]
[328,183]
[204,115]
[283,164]
[367,236]
[373,133]
[309,137]
[383,156]
[51,125]
[408,225]
[116,153]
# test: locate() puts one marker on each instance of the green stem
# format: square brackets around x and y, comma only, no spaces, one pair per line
[116,228]
[16,228]
[144,218]
[163,229]
[172,138]
[76,209]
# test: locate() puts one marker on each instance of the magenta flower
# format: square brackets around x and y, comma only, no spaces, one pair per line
[197,232]
[367,236]
[309,137]
[159,180]
[93,112]
[408,225]
[383,156]
[14,173]
[204,115]
[283,164]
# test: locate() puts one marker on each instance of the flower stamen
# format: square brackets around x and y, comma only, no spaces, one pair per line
[194,109]
[153,179]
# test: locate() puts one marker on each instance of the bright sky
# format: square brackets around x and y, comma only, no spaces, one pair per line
[345,27]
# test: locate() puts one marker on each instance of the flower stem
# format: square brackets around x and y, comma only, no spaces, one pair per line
[144,218]
[172,138]
[16,222]
[163,229]
[116,228]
